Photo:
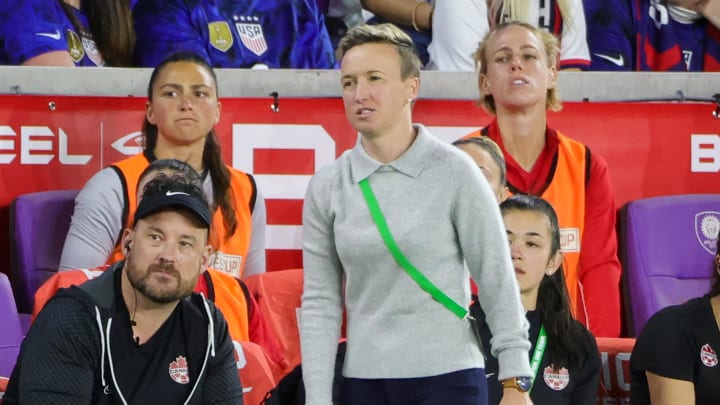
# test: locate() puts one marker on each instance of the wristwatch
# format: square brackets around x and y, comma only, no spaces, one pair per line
[521,384]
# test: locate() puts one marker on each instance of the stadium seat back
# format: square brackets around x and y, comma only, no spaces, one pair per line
[39,223]
[11,334]
[668,247]
[278,294]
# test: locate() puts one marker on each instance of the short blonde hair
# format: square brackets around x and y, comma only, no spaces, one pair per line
[384,34]
[552,52]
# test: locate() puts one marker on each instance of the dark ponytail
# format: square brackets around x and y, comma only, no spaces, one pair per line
[212,160]
[566,338]
[111,25]
[212,154]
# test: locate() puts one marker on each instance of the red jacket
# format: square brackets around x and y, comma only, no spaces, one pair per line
[599,268]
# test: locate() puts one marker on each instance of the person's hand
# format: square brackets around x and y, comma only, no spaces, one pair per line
[711,10]
[511,396]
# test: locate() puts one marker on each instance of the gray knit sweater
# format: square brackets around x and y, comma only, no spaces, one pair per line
[442,213]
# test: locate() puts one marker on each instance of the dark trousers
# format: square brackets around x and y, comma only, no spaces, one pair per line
[464,387]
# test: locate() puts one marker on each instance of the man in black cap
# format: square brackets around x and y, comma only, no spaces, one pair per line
[136,334]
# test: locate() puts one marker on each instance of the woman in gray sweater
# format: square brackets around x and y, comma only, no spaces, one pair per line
[403,346]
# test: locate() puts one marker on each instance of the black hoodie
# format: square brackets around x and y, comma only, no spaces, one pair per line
[65,357]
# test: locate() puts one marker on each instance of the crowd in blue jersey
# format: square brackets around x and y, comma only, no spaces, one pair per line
[228,34]
[608,35]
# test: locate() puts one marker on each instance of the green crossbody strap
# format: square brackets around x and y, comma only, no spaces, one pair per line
[427,285]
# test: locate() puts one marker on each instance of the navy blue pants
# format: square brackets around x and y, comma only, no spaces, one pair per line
[464,387]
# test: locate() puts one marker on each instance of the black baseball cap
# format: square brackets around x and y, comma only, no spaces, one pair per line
[178,197]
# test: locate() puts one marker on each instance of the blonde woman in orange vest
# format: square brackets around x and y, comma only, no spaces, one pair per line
[182,109]
[518,84]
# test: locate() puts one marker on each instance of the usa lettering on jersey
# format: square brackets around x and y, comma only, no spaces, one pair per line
[91,50]
[251,34]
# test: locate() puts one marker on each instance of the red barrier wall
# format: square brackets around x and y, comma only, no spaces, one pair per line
[615,374]
[59,142]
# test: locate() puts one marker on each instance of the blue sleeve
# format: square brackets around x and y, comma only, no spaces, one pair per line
[610,34]
[30,28]
[234,34]
[312,49]
[162,28]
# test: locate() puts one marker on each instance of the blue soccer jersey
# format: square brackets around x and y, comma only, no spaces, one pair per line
[29,28]
[237,33]
[642,35]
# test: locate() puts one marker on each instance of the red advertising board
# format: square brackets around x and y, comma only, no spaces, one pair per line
[56,142]
[615,372]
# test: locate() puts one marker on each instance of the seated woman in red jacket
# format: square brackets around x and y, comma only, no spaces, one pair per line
[518,84]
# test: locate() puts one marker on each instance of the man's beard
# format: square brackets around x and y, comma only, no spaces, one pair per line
[141,282]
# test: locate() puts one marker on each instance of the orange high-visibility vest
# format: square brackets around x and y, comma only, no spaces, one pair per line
[228,295]
[229,252]
[566,193]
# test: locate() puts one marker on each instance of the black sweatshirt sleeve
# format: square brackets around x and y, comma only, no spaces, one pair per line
[222,385]
[59,357]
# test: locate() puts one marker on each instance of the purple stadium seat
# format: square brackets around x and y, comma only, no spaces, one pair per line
[669,245]
[39,223]
[11,334]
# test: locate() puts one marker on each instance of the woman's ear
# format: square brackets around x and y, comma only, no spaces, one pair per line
[503,194]
[554,263]
[413,88]
[484,84]
[552,77]
[149,112]
[219,112]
